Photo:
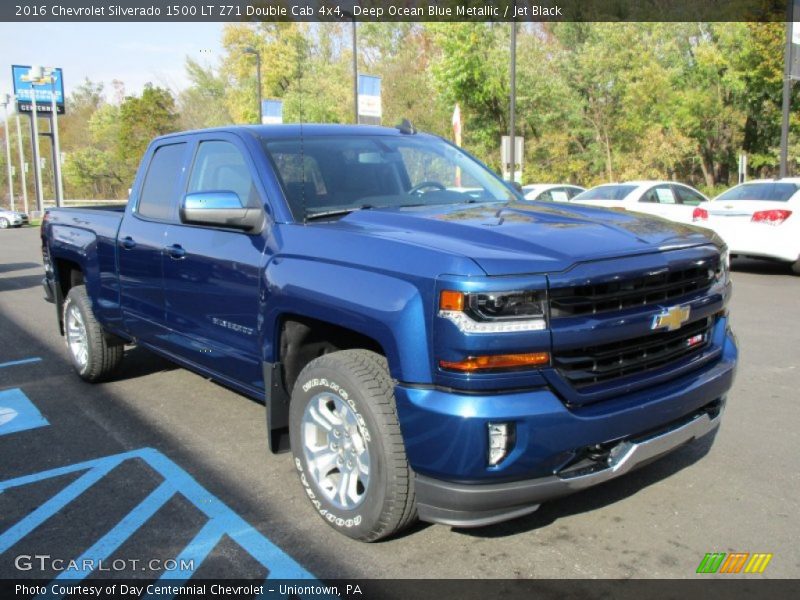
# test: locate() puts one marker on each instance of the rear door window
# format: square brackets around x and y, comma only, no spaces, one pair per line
[661,194]
[687,196]
[546,196]
[159,193]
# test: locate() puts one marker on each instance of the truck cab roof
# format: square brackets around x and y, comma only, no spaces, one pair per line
[294,130]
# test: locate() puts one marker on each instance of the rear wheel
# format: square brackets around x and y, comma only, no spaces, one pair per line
[347,445]
[92,354]
[796,267]
[4,223]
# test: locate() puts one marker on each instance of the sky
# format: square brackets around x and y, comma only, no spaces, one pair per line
[135,53]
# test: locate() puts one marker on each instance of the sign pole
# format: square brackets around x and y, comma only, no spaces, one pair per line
[6,102]
[23,174]
[37,172]
[56,148]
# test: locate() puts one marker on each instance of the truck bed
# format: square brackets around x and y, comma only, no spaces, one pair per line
[102,221]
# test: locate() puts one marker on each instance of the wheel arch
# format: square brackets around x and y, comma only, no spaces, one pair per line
[299,340]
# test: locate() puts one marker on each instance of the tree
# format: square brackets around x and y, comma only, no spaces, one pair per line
[472,69]
[284,50]
[402,54]
[140,120]
[202,104]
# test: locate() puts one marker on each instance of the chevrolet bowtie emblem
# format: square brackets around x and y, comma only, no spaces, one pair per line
[672,318]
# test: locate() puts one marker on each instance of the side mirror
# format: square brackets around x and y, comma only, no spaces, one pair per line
[220,209]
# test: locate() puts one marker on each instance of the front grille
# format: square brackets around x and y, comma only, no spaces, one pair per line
[583,367]
[656,288]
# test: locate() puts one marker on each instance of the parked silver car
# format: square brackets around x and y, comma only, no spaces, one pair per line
[12,218]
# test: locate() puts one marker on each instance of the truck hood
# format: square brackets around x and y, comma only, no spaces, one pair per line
[516,239]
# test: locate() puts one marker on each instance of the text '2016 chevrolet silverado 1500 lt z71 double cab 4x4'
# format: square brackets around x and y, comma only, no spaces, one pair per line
[460,357]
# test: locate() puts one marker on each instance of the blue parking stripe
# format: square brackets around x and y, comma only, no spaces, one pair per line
[15,533]
[221,519]
[105,546]
[23,361]
[194,553]
[17,412]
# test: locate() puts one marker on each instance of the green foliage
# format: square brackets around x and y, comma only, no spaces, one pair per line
[102,159]
[595,101]
[202,104]
[141,118]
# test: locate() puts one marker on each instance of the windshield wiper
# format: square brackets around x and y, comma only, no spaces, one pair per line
[336,212]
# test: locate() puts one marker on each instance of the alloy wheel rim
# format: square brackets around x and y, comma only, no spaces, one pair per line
[76,336]
[335,450]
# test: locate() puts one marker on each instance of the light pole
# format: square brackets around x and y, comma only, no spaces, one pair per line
[349,15]
[6,102]
[787,92]
[258,81]
[512,126]
[355,69]
[23,174]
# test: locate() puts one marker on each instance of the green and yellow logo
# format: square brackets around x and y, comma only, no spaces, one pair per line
[735,562]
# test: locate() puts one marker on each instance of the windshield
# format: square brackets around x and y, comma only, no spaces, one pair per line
[336,174]
[768,190]
[606,192]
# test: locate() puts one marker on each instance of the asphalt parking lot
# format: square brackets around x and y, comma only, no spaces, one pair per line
[95,470]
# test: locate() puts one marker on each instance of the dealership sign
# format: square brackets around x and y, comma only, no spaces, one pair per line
[24,90]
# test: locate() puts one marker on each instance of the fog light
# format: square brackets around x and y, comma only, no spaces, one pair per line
[500,441]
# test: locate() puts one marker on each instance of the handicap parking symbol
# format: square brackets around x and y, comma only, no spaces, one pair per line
[17,412]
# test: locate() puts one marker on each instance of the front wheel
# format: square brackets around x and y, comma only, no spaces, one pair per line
[796,267]
[92,354]
[347,445]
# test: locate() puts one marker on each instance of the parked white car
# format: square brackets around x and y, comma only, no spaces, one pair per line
[668,199]
[759,219]
[12,218]
[551,192]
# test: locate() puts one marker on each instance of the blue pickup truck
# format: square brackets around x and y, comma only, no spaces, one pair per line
[428,344]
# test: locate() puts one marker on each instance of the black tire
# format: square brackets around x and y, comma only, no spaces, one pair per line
[4,223]
[103,355]
[362,379]
[796,267]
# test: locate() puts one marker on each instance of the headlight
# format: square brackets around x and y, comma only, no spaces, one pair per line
[494,312]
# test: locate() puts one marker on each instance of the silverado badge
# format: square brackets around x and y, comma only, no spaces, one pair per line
[672,318]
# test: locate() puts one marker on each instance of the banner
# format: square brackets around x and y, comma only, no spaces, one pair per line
[794,62]
[369,99]
[457,125]
[271,112]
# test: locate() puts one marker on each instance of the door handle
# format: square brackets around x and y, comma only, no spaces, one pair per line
[128,243]
[176,251]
